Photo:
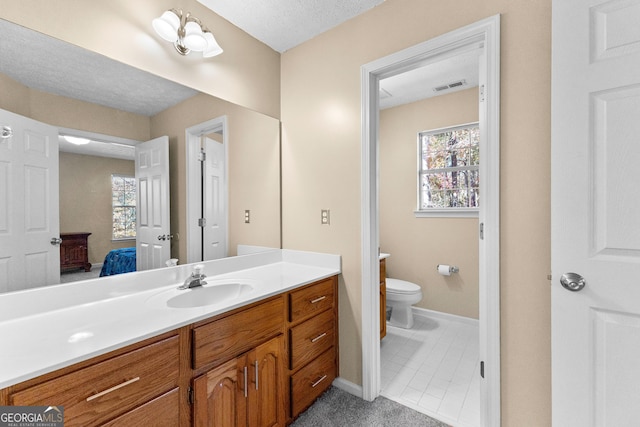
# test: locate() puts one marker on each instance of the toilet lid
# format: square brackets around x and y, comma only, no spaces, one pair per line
[401,286]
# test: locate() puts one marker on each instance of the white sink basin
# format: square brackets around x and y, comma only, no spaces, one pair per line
[208,295]
[214,292]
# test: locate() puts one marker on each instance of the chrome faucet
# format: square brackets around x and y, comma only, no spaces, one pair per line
[195,279]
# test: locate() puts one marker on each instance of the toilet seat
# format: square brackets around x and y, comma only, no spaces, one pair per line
[401,286]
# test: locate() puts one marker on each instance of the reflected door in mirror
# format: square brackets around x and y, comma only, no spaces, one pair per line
[28,204]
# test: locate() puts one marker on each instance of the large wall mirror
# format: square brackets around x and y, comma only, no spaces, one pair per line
[79,91]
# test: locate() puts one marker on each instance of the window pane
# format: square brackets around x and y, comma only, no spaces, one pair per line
[123,202]
[455,148]
[129,198]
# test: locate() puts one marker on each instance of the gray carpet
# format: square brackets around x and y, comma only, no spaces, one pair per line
[74,276]
[337,408]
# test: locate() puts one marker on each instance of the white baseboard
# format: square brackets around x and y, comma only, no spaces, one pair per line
[417,311]
[348,386]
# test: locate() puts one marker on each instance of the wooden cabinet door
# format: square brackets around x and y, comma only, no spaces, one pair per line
[246,391]
[383,298]
[220,396]
[266,390]
[383,310]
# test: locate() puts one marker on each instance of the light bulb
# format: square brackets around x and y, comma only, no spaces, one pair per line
[76,140]
[193,37]
[213,48]
[167,26]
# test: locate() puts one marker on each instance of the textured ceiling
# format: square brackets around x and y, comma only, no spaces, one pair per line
[50,65]
[284,24]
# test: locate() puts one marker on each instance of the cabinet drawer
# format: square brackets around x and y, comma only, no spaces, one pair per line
[163,411]
[311,338]
[311,300]
[100,392]
[312,380]
[230,336]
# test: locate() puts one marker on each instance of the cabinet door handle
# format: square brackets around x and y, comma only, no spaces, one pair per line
[256,365]
[318,382]
[322,335]
[313,301]
[114,388]
[245,382]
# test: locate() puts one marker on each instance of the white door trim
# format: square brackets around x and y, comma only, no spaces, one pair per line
[486,32]
[194,201]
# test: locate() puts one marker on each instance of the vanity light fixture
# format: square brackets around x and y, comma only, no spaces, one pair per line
[187,33]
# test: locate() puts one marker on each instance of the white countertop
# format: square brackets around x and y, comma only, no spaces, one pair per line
[49,328]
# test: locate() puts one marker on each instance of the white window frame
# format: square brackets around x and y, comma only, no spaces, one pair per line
[113,238]
[458,212]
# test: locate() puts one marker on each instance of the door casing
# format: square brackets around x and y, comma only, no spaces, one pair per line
[194,199]
[486,32]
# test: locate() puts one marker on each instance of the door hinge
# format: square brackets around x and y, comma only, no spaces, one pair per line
[202,222]
[202,156]
[482,231]
[481,93]
[482,368]
[190,395]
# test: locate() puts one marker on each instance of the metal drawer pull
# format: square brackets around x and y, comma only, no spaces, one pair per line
[256,363]
[114,388]
[319,381]
[324,334]
[313,301]
[245,382]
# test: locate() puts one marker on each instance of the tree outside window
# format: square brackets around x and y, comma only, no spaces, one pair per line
[123,190]
[449,161]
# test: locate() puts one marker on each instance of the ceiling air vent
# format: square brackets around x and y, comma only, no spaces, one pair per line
[453,85]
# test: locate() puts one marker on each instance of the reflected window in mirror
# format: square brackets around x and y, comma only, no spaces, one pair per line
[123,190]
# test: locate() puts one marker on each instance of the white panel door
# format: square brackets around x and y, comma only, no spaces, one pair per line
[596,212]
[29,215]
[214,201]
[153,229]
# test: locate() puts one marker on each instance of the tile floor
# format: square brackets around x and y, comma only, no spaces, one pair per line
[434,368]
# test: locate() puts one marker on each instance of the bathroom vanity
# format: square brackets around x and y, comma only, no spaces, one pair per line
[260,355]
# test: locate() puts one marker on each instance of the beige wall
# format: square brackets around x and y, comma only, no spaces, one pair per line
[71,113]
[321,158]
[417,245]
[254,170]
[85,200]
[247,73]
[15,97]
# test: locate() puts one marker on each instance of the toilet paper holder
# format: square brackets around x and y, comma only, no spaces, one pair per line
[440,268]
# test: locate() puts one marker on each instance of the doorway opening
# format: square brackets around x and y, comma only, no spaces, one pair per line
[485,35]
[207,190]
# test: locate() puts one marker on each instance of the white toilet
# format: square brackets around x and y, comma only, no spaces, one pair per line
[400,296]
